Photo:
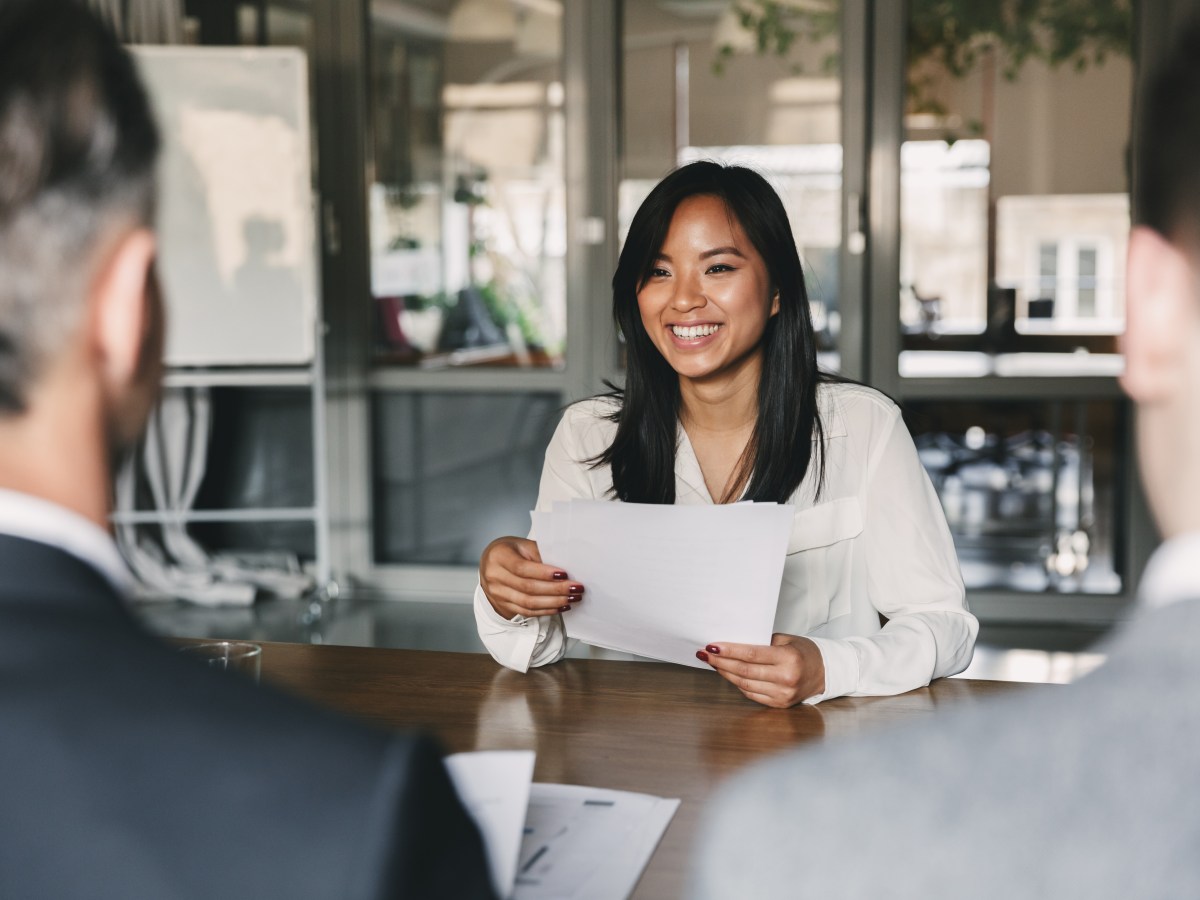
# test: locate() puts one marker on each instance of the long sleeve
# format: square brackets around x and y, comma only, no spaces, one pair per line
[521,643]
[912,579]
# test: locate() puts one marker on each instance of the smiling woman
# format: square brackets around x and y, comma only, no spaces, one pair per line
[707,301]
[767,384]
[723,402]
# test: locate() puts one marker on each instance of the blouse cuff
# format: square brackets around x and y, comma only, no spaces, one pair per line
[841,668]
[511,642]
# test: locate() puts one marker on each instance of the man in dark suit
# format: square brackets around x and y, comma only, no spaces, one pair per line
[1091,790]
[126,770]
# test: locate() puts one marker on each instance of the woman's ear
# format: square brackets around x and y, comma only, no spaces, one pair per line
[775,302]
[1160,314]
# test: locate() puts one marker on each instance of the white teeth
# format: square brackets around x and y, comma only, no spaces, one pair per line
[689,332]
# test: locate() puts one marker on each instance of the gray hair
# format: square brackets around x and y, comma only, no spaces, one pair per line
[78,147]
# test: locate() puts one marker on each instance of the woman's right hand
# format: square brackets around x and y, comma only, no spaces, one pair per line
[517,582]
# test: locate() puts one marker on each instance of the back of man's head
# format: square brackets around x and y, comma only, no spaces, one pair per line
[1167,187]
[78,146]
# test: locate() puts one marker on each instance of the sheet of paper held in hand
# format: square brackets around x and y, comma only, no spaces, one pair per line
[664,581]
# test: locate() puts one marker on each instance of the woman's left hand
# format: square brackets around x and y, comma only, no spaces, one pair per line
[786,673]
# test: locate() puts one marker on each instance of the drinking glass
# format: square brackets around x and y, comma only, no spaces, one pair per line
[236,656]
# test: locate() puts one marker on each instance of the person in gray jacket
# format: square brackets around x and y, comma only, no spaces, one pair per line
[1091,790]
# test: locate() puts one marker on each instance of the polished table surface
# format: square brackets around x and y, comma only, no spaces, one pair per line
[656,728]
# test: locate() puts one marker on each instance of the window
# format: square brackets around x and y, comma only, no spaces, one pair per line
[466,210]
[467,197]
[1030,489]
[993,219]
[1065,257]
[696,86]
[1013,176]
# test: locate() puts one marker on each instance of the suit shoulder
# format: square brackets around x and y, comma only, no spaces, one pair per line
[433,847]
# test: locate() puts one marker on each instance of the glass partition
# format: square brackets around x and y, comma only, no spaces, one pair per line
[275,23]
[1031,490]
[740,84]
[467,195]
[453,471]
[1014,211]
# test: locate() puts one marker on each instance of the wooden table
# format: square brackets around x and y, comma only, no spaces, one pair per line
[650,727]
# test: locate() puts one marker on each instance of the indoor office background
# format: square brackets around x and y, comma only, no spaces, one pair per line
[958,190]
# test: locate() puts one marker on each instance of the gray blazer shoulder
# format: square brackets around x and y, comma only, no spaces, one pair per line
[1087,790]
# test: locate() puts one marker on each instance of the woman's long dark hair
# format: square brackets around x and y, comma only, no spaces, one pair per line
[642,454]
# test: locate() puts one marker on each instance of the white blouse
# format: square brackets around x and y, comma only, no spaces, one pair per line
[873,546]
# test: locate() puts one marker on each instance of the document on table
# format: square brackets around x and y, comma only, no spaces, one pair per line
[557,841]
[586,843]
[664,581]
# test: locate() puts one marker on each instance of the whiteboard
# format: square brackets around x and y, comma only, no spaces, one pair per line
[235,218]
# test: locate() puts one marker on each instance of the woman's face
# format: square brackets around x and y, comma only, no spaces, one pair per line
[709,296]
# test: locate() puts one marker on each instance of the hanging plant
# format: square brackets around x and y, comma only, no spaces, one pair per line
[776,24]
[953,35]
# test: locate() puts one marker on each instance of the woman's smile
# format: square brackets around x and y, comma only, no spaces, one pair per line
[688,335]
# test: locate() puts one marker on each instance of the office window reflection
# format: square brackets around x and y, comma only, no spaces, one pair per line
[697,84]
[1013,177]
[467,194]
[275,23]
[453,471]
[1030,490]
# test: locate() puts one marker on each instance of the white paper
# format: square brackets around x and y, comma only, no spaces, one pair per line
[494,787]
[664,581]
[586,843]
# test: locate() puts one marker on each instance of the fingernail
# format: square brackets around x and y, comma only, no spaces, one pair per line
[559,576]
[574,599]
[564,608]
[575,589]
[713,648]
[702,656]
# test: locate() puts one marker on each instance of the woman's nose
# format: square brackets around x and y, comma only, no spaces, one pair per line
[688,295]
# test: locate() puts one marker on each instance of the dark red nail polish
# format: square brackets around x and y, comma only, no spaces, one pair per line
[713,648]
[564,608]
[575,589]
[702,656]
[559,576]
[574,599]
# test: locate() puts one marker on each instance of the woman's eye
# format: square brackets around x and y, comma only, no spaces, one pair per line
[720,267]
[659,273]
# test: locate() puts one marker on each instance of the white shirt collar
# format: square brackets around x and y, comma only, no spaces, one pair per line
[1173,573]
[29,517]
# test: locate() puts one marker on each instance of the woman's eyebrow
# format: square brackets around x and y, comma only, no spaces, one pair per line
[716,251]
[721,251]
